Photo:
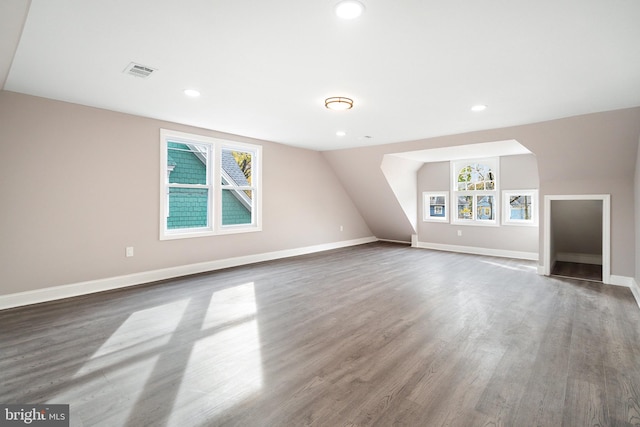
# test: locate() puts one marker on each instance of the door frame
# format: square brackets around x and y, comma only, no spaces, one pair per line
[606,230]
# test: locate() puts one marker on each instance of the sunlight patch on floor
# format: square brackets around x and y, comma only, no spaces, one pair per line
[225,366]
[147,329]
[519,267]
[124,362]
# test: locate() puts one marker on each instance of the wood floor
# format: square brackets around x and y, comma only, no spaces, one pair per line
[379,334]
[577,270]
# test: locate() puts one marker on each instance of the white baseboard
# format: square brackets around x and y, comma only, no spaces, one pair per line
[628,282]
[100,285]
[532,256]
[625,281]
[579,258]
[635,290]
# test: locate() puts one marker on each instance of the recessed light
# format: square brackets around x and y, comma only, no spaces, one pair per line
[338,103]
[341,133]
[349,9]
[479,107]
[192,93]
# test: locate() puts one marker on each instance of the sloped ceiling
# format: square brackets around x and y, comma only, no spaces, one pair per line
[414,68]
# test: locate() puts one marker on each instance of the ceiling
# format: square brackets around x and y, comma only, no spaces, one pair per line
[413,67]
[509,147]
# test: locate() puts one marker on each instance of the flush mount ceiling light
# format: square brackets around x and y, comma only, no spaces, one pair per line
[479,107]
[341,133]
[349,9]
[338,103]
[192,93]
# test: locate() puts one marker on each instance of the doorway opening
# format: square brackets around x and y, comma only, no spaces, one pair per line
[577,237]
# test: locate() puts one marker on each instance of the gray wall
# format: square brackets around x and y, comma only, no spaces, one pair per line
[516,173]
[576,229]
[79,184]
[589,154]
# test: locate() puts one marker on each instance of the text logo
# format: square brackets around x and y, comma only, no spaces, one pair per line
[34,415]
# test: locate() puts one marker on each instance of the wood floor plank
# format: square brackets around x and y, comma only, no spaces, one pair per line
[543,400]
[621,359]
[374,335]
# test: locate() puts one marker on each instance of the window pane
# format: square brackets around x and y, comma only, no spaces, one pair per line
[237,165]
[520,208]
[236,207]
[188,208]
[465,207]
[485,208]
[437,206]
[187,164]
[476,176]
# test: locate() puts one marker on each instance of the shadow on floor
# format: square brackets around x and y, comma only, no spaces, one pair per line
[578,271]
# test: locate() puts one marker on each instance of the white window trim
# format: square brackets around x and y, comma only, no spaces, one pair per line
[455,166]
[426,206]
[506,208]
[215,188]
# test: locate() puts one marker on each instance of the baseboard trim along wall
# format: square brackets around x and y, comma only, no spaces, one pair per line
[635,290]
[532,256]
[595,259]
[628,282]
[101,285]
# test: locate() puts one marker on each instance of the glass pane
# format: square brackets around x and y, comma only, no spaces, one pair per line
[236,207]
[480,173]
[237,165]
[476,176]
[464,207]
[485,208]
[188,208]
[187,164]
[465,174]
[520,208]
[436,206]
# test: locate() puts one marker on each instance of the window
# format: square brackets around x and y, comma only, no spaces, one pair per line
[475,191]
[435,206]
[520,207]
[238,192]
[208,186]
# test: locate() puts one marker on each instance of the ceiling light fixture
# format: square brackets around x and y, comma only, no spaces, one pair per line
[479,107]
[191,93]
[341,133]
[338,103]
[349,9]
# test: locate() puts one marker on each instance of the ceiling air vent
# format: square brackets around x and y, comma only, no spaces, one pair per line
[138,70]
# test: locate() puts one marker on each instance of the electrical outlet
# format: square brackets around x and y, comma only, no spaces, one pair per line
[341,228]
[459,233]
[129,251]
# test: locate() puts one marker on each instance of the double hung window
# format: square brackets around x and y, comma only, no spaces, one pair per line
[208,186]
